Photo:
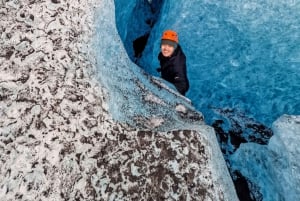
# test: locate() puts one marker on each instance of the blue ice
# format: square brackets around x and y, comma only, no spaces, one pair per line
[241,54]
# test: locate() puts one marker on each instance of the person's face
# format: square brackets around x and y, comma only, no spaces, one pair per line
[167,50]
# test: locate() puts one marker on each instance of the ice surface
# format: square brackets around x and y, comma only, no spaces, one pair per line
[274,168]
[57,138]
[285,151]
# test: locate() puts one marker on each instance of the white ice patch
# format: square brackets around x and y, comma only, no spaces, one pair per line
[156,122]
[173,166]
[152,98]
[181,108]
[134,170]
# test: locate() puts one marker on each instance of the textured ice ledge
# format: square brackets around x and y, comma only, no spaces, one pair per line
[285,150]
[276,172]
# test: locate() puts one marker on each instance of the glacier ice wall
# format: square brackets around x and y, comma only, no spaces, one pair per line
[135,19]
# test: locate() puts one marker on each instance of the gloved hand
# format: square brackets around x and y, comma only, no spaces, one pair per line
[177,79]
[158,69]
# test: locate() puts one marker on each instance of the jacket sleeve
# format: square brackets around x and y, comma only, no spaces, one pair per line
[180,69]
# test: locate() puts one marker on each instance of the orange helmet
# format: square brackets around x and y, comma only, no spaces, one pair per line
[170,35]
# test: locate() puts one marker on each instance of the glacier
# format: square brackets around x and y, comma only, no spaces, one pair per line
[132,93]
[83,119]
[80,121]
[243,63]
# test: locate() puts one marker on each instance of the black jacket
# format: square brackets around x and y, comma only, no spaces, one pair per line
[173,69]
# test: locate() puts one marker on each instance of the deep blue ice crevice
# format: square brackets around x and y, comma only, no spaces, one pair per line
[135,20]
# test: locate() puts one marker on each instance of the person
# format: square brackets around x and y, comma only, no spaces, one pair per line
[173,62]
